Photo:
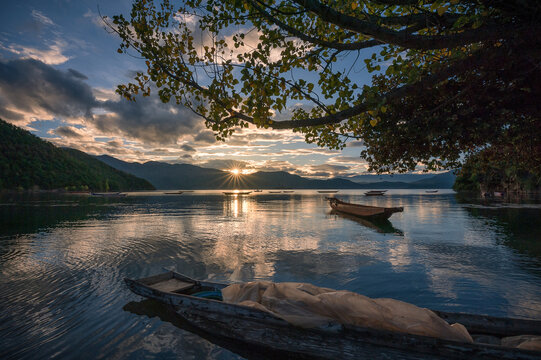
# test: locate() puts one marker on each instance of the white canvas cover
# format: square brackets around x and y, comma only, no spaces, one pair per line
[306,305]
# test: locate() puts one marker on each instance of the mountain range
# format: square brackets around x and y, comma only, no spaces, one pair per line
[166,176]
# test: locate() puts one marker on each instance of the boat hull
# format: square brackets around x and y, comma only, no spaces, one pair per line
[334,341]
[364,211]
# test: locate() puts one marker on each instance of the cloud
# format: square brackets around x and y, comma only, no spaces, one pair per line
[205,136]
[147,119]
[187,148]
[30,89]
[68,132]
[53,55]
[356,143]
[40,17]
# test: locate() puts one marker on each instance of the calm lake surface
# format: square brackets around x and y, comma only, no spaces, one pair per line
[63,260]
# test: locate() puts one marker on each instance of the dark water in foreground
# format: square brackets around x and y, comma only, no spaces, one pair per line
[62,261]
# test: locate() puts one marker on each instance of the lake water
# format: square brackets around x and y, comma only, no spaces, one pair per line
[63,260]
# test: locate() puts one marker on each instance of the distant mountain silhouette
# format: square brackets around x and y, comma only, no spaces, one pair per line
[166,176]
[28,162]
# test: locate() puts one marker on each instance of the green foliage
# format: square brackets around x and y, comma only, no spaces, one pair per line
[449,77]
[27,162]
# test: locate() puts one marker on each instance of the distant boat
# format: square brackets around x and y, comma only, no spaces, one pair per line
[288,191]
[229,193]
[109,194]
[365,211]
[174,193]
[258,190]
[375,192]
[431,191]
[327,191]
[275,192]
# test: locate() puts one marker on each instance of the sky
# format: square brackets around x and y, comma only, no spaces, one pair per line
[59,69]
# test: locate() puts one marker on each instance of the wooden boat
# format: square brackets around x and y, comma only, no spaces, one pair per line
[327,191]
[258,190]
[275,192]
[288,191]
[365,211]
[174,193]
[193,300]
[229,193]
[431,191]
[375,192]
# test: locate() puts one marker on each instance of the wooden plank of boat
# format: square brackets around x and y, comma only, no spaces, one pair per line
[327,191]
[365,211]
[334,341]
[237,192]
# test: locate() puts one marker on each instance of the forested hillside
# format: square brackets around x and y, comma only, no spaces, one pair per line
[28,162]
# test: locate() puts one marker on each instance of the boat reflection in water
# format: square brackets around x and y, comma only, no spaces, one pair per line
[383,226]
[153,308]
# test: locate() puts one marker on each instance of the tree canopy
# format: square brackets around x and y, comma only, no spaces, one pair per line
[449,78]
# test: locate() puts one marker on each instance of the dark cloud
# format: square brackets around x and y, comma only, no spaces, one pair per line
[187,148]
[67,131]
[356,143]
[30,86]
[77,74]
[147,119]
[205,136]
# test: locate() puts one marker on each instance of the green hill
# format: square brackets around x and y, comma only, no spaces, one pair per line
[28,162]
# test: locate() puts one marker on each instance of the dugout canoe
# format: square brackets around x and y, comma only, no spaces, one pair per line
[364,211]
[333,341]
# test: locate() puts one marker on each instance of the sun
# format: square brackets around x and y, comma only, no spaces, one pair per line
[235,171]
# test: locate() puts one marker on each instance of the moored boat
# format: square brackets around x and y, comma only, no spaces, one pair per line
[173,192]
[365,211]
[431,191]
[199,303]
[275,192]
[375,192]
[327,191]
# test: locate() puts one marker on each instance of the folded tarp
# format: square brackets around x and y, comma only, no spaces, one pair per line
[307,306]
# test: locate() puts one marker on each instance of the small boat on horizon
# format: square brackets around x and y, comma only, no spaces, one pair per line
[327,191]
[174,192]
[229,193]
[364,211]
[109,194]
[258,190]
[375,192]
[288,191]
[431,191]
[200,304]
[275,192]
